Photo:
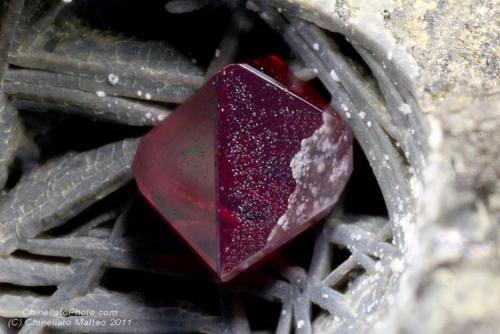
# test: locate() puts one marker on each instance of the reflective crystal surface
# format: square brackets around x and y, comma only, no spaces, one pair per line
[245,164]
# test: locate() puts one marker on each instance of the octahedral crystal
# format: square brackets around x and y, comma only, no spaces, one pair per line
[245,164]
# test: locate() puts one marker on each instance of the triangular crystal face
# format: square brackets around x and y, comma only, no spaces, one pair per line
[245,165]
[174,170]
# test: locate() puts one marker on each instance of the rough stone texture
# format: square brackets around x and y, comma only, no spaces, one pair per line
[444,57]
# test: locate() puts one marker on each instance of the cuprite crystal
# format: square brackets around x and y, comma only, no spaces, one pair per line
[245,164]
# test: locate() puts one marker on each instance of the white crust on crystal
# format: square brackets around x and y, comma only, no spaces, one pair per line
[316,169]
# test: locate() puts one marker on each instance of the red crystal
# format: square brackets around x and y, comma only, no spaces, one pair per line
[244,165]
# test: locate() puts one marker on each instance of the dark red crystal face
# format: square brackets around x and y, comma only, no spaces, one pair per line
[245,164]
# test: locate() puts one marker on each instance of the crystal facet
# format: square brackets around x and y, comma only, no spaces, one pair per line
[244,165]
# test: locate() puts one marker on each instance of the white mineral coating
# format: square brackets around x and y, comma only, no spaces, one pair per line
[113,79]
[320,175]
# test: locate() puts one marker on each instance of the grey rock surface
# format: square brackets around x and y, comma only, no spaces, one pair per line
[443,58]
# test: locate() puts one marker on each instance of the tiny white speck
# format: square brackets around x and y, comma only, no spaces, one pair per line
[324,296]
[362,114]
[67,1]
[113,79]
[148,115]
[405,109]
[344,107]
[315,70]
[281,220]
[217,53]
[283,312]
[316,46]
[321,167]
[314,191]
[389,55]
[161,117]
[100,93]
[369,124]
[300,324]
[194,60]
[334,76]
[139,92]
[397,265]
[147,96]
[348,114]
